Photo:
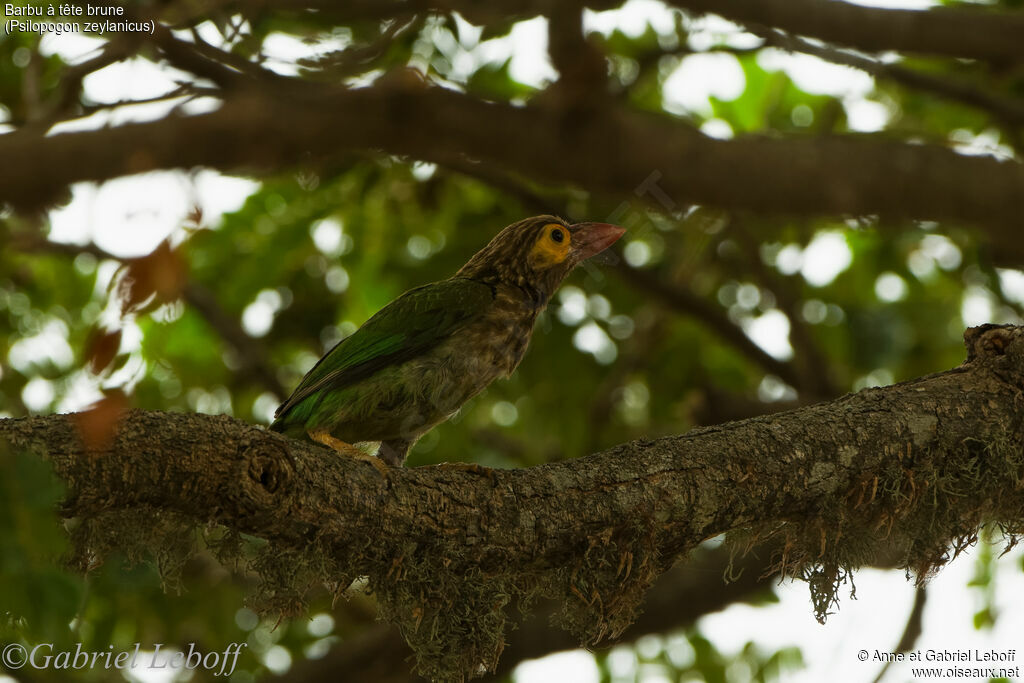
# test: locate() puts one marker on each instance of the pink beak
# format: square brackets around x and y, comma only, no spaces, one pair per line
[589,239]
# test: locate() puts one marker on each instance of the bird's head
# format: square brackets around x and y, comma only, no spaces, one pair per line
[537,253]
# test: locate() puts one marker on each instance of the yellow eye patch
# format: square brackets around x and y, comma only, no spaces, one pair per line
[552,247]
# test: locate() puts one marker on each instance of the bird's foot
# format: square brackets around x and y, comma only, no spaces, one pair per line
[469,467]
[323,437]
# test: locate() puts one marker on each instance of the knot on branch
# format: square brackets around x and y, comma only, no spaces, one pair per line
[1000,348]
[267,470]
[986,341]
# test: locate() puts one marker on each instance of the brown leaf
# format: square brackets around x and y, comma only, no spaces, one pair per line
[153,279]
[97,424]
[194,218]
[100,348]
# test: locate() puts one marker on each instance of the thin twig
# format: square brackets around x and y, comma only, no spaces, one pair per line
[683,301]
[812,365]
[912,631]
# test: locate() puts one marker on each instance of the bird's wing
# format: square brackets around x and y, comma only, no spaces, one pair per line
[407,327]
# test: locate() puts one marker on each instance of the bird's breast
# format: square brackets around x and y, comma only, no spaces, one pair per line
[488,348]
[411,398]
[504,333]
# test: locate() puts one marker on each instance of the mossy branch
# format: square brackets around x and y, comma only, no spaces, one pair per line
[916,466]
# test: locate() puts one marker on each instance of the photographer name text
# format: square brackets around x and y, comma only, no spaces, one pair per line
[45,656]
[974,655]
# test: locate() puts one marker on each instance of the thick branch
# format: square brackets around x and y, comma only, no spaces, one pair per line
[698,485]
[604,149]
[1006,109]
[916,467]
[974,33]
[948,32]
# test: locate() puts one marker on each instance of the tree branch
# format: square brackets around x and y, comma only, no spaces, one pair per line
[974,33]
[810,362]
[1009,111]
[604,149]
[911,632]
[685,302]
[917,467]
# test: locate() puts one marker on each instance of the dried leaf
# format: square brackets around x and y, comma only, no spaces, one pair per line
[97,424]
[101,347]
[153,279]
[194,218]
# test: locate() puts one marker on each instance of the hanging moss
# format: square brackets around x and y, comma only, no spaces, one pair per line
[919,512]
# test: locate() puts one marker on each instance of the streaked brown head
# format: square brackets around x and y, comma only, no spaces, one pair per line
[537,253]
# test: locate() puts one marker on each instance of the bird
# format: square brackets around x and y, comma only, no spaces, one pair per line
[415,362]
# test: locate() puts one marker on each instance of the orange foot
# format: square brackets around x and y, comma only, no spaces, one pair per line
[321,436]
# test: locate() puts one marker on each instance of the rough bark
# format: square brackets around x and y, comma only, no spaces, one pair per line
[917,466]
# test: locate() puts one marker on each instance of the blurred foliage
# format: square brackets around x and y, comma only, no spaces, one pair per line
[312,254]
[691,656]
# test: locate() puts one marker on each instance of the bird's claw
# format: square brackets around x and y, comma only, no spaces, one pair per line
[339,446]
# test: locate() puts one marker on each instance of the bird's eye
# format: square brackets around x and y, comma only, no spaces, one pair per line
[557,235]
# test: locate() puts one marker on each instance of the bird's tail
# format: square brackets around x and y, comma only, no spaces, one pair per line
[288,427]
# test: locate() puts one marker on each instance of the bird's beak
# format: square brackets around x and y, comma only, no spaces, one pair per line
[589,239]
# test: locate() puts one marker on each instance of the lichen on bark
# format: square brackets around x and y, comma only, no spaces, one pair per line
[909,472]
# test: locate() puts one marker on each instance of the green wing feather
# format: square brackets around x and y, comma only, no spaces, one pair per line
[409,326]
